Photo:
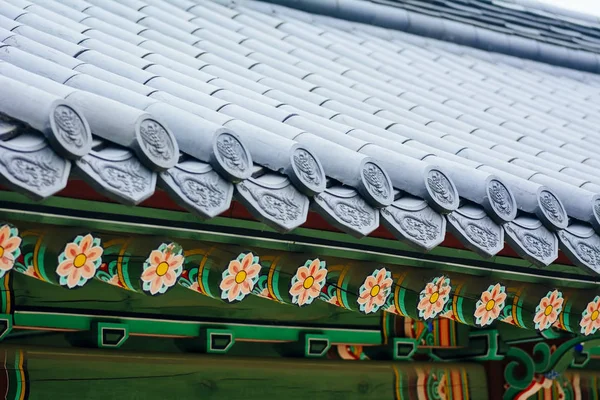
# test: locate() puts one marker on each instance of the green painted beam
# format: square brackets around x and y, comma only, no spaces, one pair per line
[161,327]
[177,224]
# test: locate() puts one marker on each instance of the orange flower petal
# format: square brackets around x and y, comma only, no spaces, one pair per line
[233,293]
[156,285]
[234,267]
[314,267]
[247,261]
[73,277]
[65,267]
[297,288]
[423,303]
[156,257]
[302,299]
[149,274]
[246,287]
[94,253]
[369,305]
[11,244]
[169,278]
[480,311]
[558,302]
[380,276]
[88,270]
[500,298]
[320,275]
[86,243]
[4,233]
[228,283]
[6,263]
[314,290]
[252,271]
[387,283]
[369,283]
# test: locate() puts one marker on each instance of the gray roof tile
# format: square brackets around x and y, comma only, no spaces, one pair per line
[352,119]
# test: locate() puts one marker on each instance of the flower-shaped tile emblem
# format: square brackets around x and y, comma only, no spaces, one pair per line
[434,297]
[308,282]
[490,304]
[239,278]
[375,290]
[162,268]
[548,310]
[79,261]
[590,318]
[9,248]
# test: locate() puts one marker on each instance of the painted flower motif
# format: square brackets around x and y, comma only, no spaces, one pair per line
[30,271]
[114,280]
[490,304]
[449,314]
[590,321]
[240,277]
[9,248]
[546,313]
[391,309]
[334,300]
[434,297]
[308,281]
[265,293]
[375,290]
[442,389]
[162,268]
[79,261]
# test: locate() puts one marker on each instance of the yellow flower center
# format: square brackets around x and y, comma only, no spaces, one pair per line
[489,305]
[548,311]
[240,277]
[1,251]
[434,297]
[308,282]
[162,268]
[80,260]
[595,315]
[375,290]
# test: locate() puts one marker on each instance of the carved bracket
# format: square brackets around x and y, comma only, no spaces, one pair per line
[274,200]
[476,230]
[532,240]
[582,245]
[412,221]
[198,188]
[345,209]
[117,173]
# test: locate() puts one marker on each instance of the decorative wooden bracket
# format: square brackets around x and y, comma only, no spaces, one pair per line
[316,345]
[6,324]
[311,345]
[213,340]
[398,349]
[217,341]
[111,335]
[527,373]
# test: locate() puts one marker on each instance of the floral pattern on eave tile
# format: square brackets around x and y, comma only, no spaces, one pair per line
[9,248]
[162,268]
[374,291]
[434,297]
[239,277]
[79,261]
[308,281]
[548,310]
[590,318]
[490,305]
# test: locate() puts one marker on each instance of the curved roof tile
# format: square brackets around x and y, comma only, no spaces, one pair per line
[294,109]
